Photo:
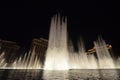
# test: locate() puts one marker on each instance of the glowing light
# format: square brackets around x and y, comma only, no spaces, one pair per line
[60,56]
[3,63]
[57,53]
[28,62]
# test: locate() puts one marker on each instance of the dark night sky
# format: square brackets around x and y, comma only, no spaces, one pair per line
[86,18]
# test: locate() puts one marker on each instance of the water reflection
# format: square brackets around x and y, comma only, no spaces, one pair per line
[55,75]
[37,74]
[84,74]
[21,74]
[109,74]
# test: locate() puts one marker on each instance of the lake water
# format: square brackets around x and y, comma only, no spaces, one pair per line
[91,74]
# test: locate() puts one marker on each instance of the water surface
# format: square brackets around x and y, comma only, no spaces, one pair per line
[36,74]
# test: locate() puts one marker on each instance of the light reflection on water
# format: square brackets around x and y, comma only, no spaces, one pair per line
[90,74]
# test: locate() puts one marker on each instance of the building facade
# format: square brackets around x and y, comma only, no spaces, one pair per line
[40,46]
[10,49]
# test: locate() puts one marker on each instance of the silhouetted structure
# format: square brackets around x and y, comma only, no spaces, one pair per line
[10,48]
[40,46]
[93,50]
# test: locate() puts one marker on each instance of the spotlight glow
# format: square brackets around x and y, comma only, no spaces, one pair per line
[60,56]
[57,54]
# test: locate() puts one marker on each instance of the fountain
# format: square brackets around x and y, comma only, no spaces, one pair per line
[29,61]
[57,54]
[62,61]
[60,56]
[2,61]
[104,58]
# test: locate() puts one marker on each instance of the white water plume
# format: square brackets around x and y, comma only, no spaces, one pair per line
[57,53]
[61,56]
[118,63]
[84,60]
[30,61]
[81,60]
[104,58]
[3,63]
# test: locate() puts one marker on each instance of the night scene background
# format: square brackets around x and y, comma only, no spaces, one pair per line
[23,21]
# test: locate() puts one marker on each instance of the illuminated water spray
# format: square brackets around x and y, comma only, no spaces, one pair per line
[30,61]
[2,61]
[57,54]
[61,56]
[104,58]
